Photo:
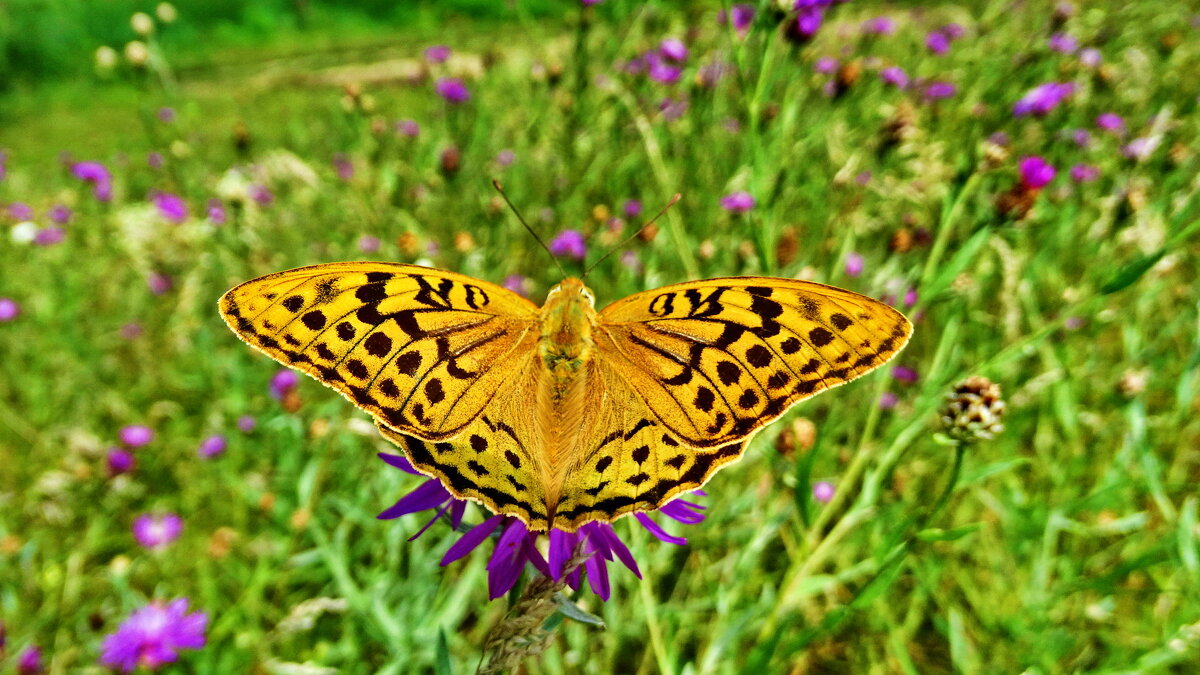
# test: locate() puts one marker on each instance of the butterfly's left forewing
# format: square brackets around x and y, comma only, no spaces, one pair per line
[716,360]
[423,350]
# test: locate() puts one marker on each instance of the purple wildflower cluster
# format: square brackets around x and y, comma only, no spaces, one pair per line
[1043,99]
[153,635]
[810,14]
[517,547]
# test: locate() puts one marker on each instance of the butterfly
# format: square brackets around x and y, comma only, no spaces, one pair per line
[563,415]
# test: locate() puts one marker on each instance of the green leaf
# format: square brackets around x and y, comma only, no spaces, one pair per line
[569,609]
[953,534]
[1132,271]
[441,663]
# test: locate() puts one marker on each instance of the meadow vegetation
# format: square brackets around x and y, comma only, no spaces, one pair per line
[1019,178]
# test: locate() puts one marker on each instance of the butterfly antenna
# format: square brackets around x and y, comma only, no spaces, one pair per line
[500,189]
[630,238]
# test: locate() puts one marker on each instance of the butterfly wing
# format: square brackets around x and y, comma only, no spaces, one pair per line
[423,350]
[716,360]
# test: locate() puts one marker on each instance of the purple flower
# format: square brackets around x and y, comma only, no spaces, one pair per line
[888,400]
[937,43]
[632,208]
[1090,57]
[826,65]
[1139,149]
[9,309]
[283,383]
[1081,137]
[1043,98]
[408,128]
[156,532]
[737,202]
[999,138]
[437,53]
[261,194]
[660,71]
[20,211]
[120,461]
[672,109]
[246,424]
[895,76]
[166,115]
[937,91]
[136,435]
[517,284]
[96,174]
[569,243]
[910,297]
[369,244]
[953,31]
[1063,43]
[212,446]
[517,548]
[343,166]
[823,491]
[631,261]
[1035,172]
[30,661]
[215,210]
[152,636]
[452,89]
[159,283]
[854,264]
[880,25]
[589,3]
[155,160]
[673,49]
[505,158]
[808,22]
[131,330]
[904,374]
[1111,122]
[61,214]
[1084,173]
[49,236]
[743,16]
[171,207]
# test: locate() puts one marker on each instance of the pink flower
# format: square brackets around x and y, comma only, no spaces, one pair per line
[153,636]
[9,309]
[673,49]
[437,53]
[937,43]
[1084,173]
[737,202]
[854,264]
[120,461]
[823,491]
[895,76]
[453,90]
[1036,172]
[1111,122]
[136,435]
[170,207]
[156,532]
[212,446]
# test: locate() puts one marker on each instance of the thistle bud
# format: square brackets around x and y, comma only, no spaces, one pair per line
[974,410]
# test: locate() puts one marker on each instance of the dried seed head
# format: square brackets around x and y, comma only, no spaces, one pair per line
[1132,383]
[974,411]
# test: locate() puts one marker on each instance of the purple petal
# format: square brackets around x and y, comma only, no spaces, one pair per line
[400,462]
[506,563]
[597,576]
[470,540]
[533,555]
[657,531]
[562,544]
[432,520]
[427,495]
[458,507]
[679,510]
[613,542]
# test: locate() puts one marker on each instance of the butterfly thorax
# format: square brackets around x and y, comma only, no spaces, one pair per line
[568,316]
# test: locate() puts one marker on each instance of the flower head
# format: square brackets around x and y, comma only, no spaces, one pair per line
[120,461]
[30,661]
[246,424]
[937,42]
[1111,122]
[1090,57]
[159,283]
[283,382]
[517,548]
[136,435]
[937,91]
[1036,172]
[904,374]
[1063,43]
[569,243]
[97,175]
[369,243]
[171,207]
[155,532]
[61,214]
[974,410]
[823,491]
[212,446]
[20,211]
[9,309]
[1043,98]
[1084,173]
[452,89]
[49,236]
[408,128]
[673,49]
[854,264]
[826,65]
[215,211]
[152,636]
[880,25]
[737,202]
[437,53]
[895,76]
[517,284]
[743,16]
[1139,149]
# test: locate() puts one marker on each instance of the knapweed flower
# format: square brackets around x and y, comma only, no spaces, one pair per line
[156,532]
[673,49]
[170,206]
[343,166]
[1139,149]
[246,424]
[30,661]
[166,115]
[49,236]
[1035,172]
[155,160]
[632,208]
[854,264]
[159,283]
[19,211]
[437,53]
[153,635]
[369,244]
[9,309]
[452,89]
[505,158]
[212,446]
[215,211]
[895,76]
[888,400]
[131,330]
[119,461]
[1081,137]
[1090,57]
[660,71]
[98,176]
[737,202]
[953,31]
[1043,98]
[974,410]
[904,374]
[826,65]
[1063,43]
[261,194]
[938,91]
[136,435]
[743,16]
[283,383]
[517,284]
[408,128]
[570,244]
[880,25]
[61,214]
[823,491]
[1084,173]
[937,43]
[1111,122]
[517,547]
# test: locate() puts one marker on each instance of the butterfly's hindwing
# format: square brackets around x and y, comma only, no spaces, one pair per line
[420,349]
[716,360]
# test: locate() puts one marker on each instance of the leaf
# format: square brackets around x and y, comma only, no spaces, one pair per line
[569,609]
[441,663]
[1131,272]
[953,534]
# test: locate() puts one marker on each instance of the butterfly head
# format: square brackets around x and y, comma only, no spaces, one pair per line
[567,320]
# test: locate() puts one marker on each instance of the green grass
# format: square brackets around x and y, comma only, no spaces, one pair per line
[1069,544]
